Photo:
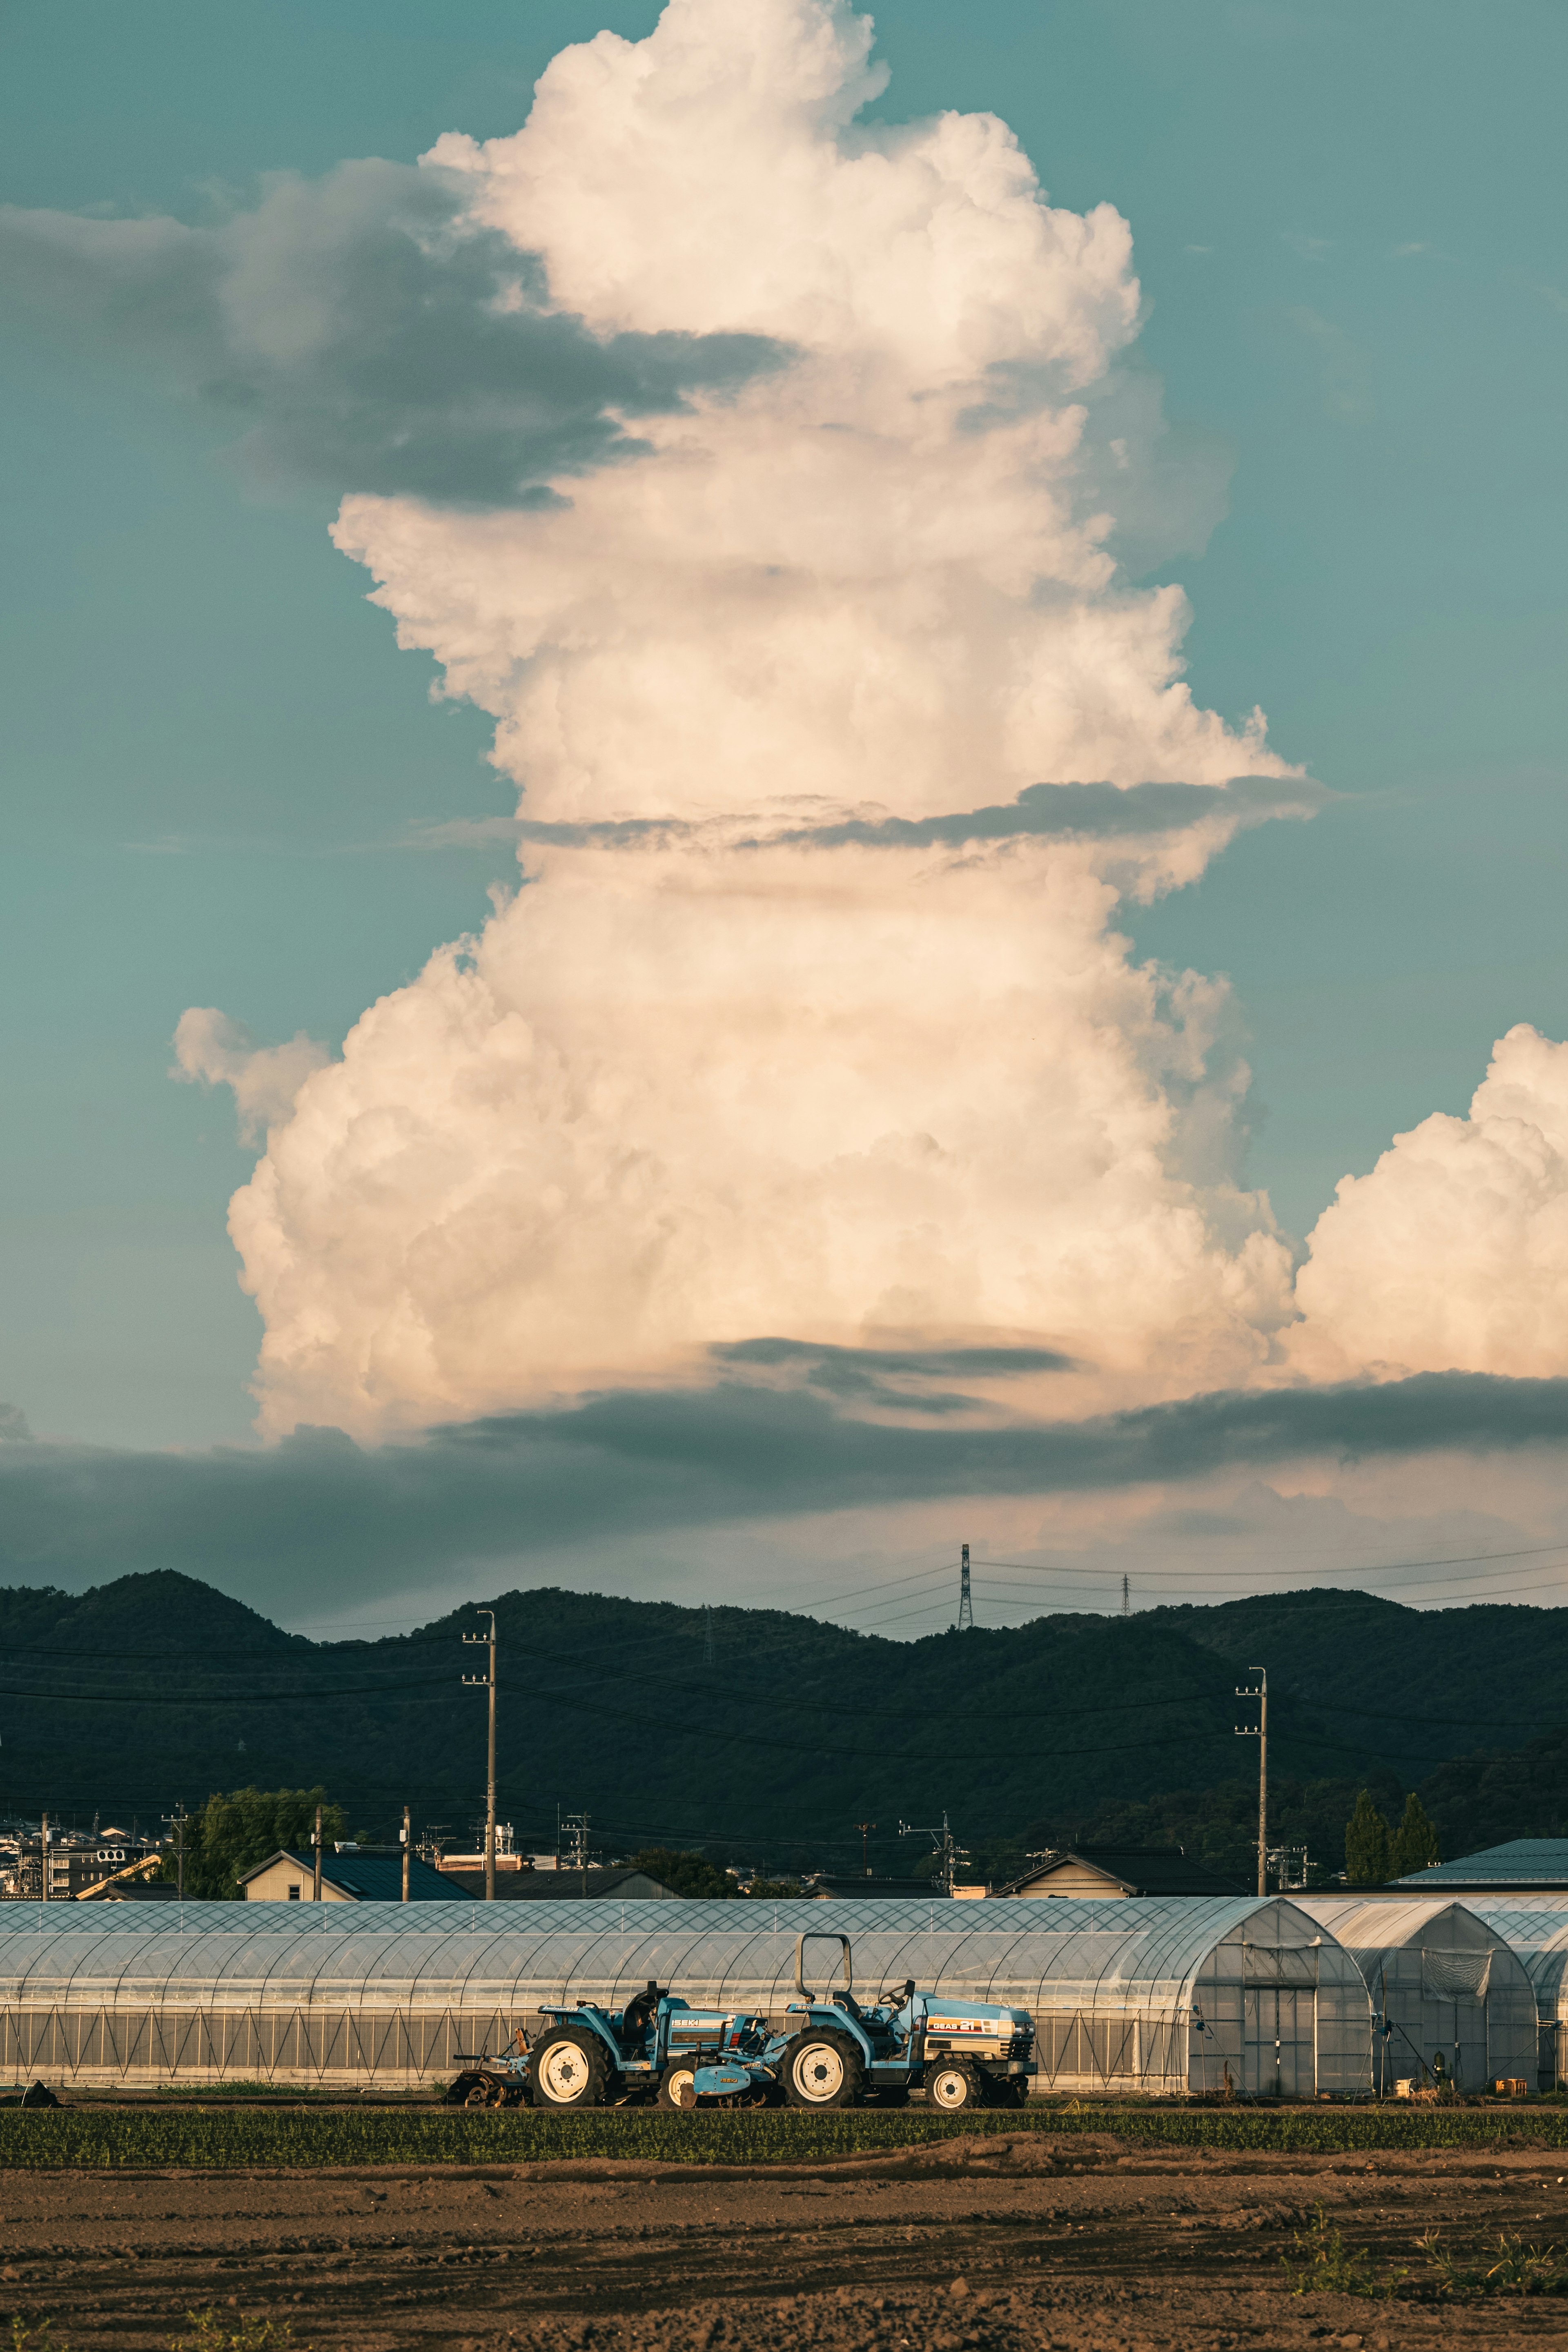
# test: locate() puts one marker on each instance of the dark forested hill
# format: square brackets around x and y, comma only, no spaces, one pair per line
[767,1737]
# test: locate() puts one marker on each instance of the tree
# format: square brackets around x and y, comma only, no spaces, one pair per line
[1366,1845]
[686,1874]
[1415,1841]
[230,1835]
[774,1890]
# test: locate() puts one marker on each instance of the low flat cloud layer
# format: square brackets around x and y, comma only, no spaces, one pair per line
[317,1513]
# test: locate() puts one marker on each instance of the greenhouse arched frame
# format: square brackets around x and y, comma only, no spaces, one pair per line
[1160,1996]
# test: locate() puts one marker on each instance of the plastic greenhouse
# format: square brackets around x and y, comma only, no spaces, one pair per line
[1452,1996]
[1537,1932]
[1159,1995]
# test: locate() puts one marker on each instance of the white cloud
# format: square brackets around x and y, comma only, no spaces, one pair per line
[698,1081]
[1452,1252]
[211,1050]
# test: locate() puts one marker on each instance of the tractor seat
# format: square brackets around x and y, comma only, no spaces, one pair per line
[638,2012]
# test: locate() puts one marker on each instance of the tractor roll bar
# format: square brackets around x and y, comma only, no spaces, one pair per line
[820,1936]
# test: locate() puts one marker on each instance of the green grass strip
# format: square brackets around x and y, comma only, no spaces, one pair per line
[207,2138]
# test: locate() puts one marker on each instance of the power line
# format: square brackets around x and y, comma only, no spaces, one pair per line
[1387,1567]
[228,1698]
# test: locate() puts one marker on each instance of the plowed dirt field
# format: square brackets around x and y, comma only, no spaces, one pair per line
[974,2246]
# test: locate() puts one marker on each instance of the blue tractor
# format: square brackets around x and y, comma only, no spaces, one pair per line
[822,2052]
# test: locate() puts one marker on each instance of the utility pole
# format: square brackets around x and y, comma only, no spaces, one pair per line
[577,1830]
[406,1832]
[965,1603]
[944,1846]
[865,1829]
[44,1859]
[316,1887]
[176,1821]
[1259,1731]
[488,1682]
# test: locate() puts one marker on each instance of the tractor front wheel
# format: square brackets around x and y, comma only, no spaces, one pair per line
[571,2068]
[675,2086]
[822,2070]
[953,2087]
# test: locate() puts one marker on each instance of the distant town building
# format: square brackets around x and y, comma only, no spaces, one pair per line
[286,1877]
[565,1885]
[1093,1873]
[76,1862]
[507,1855]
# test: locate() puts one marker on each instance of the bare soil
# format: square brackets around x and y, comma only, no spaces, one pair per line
[984,2245]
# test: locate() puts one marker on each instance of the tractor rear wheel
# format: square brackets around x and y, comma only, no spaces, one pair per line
[571,2068]
[822,2069]
[952,2087]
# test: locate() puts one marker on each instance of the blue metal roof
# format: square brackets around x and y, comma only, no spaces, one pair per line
[1521,1862]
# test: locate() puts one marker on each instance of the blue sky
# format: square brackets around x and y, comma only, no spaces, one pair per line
[1348,227]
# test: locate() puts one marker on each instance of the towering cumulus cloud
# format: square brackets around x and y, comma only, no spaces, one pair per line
[1452,1252]
[838,735]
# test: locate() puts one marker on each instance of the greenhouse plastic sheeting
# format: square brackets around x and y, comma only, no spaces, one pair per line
[1537,1934]
[1160,1995]
[1452,1995]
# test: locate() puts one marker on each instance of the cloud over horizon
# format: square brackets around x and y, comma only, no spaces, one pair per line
[316,1520]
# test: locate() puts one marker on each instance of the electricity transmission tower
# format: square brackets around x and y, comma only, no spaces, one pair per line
[966,1604]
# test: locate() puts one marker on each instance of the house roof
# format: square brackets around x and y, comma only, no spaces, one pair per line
[1136,1869]
[1522,1863]
[826,1888]
[373,1878]
[122,1889]
[562,1885]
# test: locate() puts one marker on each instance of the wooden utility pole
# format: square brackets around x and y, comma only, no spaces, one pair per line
[1259,1731]
[316,1888]
[406,1835]
[176,1821]
[481,1682]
